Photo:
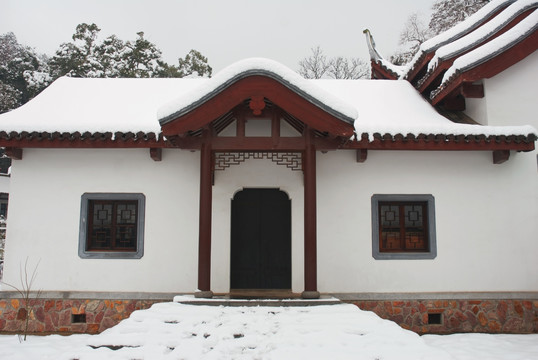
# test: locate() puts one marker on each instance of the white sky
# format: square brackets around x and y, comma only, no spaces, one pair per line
[223,30]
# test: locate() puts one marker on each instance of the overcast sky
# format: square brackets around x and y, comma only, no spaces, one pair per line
[223,30]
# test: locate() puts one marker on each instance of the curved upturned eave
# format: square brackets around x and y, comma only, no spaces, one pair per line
[492,62]
[428,48]
[207,109]
[263,73]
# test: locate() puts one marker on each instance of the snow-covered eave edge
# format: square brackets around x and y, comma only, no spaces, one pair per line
[87,139]
[448,132]
[487,52]
[459,30]
[368,136]
[481,35]
[258,67]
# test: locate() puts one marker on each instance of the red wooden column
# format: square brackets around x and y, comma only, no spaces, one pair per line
[204,240]
[310,246]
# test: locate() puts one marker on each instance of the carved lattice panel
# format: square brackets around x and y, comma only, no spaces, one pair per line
[291,160]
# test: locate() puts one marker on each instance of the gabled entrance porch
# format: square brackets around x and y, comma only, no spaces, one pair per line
[257,113]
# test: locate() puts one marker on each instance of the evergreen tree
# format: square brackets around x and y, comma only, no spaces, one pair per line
[85,57]
[78,58]
[110,55]
[194,62]
[23,73]
[140,58]
[447,13]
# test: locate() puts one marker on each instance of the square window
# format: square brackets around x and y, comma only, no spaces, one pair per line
[403,227]
[112,226]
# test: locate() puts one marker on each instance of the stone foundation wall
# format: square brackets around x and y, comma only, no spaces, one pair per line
[457,316]
[67,315]
[427,316]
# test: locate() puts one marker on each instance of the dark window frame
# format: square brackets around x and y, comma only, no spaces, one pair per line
[85,250]
[400,200]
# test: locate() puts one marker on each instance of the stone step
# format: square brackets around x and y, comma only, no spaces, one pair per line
[226,300]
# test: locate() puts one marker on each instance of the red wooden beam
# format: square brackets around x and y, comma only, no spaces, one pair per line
[15,153]
[156,154]
[362,154]
[456,102]
[258,143]
[500,156]
[204,234]
[473,91]
[310,220]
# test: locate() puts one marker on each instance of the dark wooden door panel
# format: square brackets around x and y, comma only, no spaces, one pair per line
[261,240]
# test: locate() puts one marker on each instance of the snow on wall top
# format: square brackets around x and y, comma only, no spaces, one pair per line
[257,66]
[459,30]
[131,105]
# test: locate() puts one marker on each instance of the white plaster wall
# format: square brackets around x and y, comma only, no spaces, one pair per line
[254,173]
[477,110]
[510,96]
[45,210]
[485,216]
[5,180]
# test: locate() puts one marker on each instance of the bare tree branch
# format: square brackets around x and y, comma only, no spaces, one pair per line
[317,66]
[314,66]
[25,291]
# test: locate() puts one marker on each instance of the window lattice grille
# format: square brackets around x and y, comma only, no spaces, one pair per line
[403,227]
[112,225]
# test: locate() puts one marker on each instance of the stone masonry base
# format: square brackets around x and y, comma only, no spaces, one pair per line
[458,316]
[91,315]
[67,316]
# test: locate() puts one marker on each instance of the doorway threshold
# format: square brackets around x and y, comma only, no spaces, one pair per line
[257,298]
[273,294]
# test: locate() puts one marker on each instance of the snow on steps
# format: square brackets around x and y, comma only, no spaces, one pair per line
[179,331]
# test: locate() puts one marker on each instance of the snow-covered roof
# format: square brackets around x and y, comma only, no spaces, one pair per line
[459,30]
[252,67]
[96,105]
[498,45]
[497,36]
[72,105]
[484,32]
[408,112]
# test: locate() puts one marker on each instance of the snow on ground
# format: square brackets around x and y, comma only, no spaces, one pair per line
[486,346]
[179,331]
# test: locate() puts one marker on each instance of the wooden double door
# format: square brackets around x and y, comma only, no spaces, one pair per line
[261,240]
